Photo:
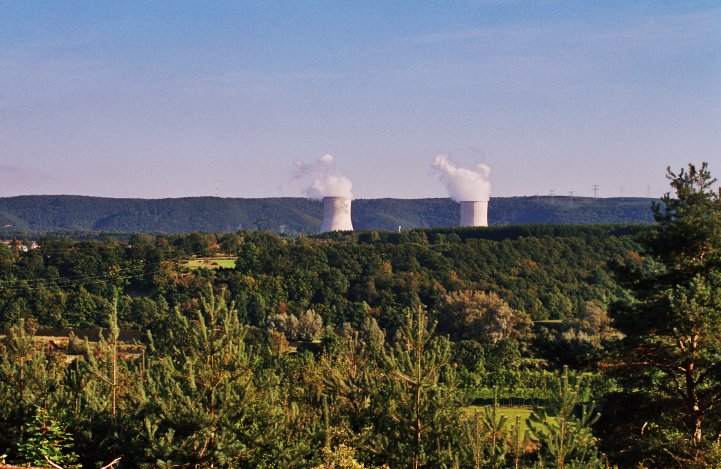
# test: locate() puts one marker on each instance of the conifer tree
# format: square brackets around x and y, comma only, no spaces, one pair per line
[202,404]
[101,392]
[495,427]
[103,360]
[518,441]
[672,327]
[489,439]
[476,440]
[422,403]
[353,380]
[29,379]
[565,435]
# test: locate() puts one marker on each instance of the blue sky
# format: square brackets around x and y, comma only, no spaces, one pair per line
[170,99]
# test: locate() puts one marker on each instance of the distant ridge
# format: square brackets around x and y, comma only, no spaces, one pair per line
[52,213]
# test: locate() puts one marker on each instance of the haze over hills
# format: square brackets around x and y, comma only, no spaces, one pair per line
[50,213]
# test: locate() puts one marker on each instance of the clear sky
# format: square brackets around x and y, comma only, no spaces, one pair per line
[170,99]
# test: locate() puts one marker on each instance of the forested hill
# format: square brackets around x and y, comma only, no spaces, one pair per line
[293,215]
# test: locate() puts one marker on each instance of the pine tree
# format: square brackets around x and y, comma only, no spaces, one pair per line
[29,379]
[104,361]
[476,440]
[202,405]
[352,379]
[672,345]
[495,427]
[489,439]
[565,436]
[518,442]
[100,391]
[422,403]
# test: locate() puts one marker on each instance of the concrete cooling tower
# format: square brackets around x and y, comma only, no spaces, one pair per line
[336,214]
[474,213]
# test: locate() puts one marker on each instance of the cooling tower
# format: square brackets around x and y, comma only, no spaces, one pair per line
[336,214]
[474,213]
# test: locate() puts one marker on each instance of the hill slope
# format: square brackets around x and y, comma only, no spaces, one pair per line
[293,215]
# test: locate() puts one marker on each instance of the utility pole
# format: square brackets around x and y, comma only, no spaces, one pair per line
[648,191]
[595,190]
[620,189]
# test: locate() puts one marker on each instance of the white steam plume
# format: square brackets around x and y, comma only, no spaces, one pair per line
[463,184]
[328,181]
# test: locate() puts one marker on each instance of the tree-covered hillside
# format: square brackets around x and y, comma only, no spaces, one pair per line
[293,215]
[547,271]
[361,296]
[522,346]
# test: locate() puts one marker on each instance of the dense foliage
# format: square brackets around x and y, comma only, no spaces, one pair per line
[50,213]
[672,327]
[434,348]
[545,273]
[205,395]
[193,395]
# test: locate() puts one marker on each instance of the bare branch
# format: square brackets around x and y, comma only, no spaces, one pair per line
[111,464]
[51,463]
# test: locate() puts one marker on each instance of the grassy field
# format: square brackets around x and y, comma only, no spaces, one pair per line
[509,412]
[210,263]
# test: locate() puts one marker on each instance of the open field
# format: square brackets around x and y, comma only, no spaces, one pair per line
[58,340]
[510,412]
[210,263]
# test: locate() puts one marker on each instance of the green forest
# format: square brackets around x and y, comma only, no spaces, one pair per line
[534,345]
[62,213]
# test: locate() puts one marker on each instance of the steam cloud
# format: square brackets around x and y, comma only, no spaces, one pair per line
[463,184]
[328,181]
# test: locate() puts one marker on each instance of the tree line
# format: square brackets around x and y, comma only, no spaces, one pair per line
[47,213]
